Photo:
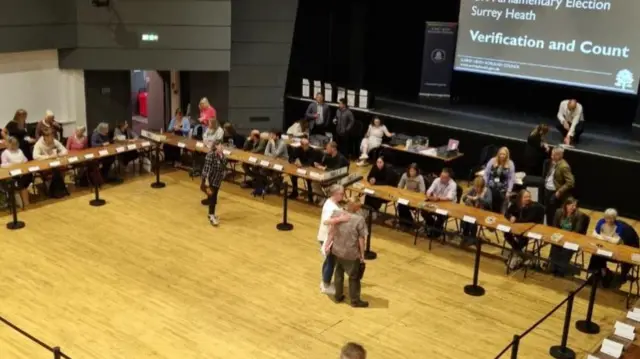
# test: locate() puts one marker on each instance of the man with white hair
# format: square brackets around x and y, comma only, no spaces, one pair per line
[558,183]
[49,123]
[332,204]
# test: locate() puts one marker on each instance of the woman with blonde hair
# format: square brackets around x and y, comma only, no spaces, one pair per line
[78,141]
[479,196]
[13,155]
[499,175]
[207,112]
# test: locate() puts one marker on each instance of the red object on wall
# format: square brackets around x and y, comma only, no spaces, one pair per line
[142,103]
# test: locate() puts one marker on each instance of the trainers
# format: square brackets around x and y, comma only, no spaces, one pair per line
[328,289]
[213,220]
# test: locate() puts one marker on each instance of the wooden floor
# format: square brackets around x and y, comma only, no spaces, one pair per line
[146,276]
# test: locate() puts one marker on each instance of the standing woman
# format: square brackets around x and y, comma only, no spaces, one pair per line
[536,150]
[207,112]
[372,139]
[13,155]
[215,164]
[499,175]
[17,128]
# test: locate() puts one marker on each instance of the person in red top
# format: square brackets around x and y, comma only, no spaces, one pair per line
[77,141]
[207,112]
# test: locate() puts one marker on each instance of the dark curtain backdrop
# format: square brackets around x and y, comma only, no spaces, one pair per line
[377,45]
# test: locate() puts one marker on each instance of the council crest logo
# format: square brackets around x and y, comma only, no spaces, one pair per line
[438,55]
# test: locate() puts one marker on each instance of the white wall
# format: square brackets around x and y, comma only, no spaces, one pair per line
[33,81]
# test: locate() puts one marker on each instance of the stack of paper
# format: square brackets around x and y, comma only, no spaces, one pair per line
[611,348]
[634,314]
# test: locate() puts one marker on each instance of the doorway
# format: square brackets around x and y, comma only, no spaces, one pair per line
[150,99]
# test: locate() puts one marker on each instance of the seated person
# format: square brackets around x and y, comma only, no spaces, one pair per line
[479,196]
[522,211]
[302,156]
[331,160]
[12,156]
[571,117]
[214,133]
[179,124]
[379,175]
[48,123]
[47,147]
[124,133]
[231,136]
[255,143]
[499,175]
[100,138]
[413,181]
[608,229]
[372,139]
[299,128]
[442,189]
[570,219]
[276,148]
[78,140]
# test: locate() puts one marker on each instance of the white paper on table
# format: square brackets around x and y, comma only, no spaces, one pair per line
[635,257]
[571,246]
[119,149]
[301,171]
[253,159]
[146,144]
[624,330]
[199,145]
[503,228]
[54,164]
[34,169]
[403,201]
[278,167]
[182,144]
[131,147]
[534,235]
[264,163]
[429,152]
[89,156]
[15,172]
[369,191]
[603,253]
[103,152]
[612,348]
[635,316]
[442,212]
[73,159]
[225,152]
[469,219]
[315,175]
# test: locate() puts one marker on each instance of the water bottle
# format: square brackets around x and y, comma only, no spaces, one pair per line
[231,143]
[408,144]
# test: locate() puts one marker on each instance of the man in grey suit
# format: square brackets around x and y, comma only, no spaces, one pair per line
[318,114]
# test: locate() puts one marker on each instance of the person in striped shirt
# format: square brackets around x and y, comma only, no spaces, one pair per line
[213,172]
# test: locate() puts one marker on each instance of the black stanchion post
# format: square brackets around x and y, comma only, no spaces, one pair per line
[587,326]
[368,253]
[57,354]
[474,289]
[15,223]
[157,184]
[561,351]
[97,201]
[514,347]
[285,226]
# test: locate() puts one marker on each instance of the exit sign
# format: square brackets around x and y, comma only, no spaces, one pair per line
[149,37]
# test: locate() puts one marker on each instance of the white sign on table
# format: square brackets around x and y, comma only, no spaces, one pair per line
[534,235]
[278,167]
[612,348]
[264,163]
[103,153]
[442,212]
[469,219]
[571,246]
[369,191]
[73,159]
[34,168]
[403,201]
[16,172]
[131,147]
[301,172]
[253,159]
[89,156]
[119,149]
[503,228]
[54,164]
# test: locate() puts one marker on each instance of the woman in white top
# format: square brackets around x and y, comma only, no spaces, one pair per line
[213,134]
[48,147]
[372,139]
[299,128]
[12,156]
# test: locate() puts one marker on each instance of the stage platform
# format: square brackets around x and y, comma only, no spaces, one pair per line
[604,162]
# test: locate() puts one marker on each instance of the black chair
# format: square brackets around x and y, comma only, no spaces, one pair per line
[535,180]
[486,154]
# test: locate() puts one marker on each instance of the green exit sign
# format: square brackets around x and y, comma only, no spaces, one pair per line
[149,37]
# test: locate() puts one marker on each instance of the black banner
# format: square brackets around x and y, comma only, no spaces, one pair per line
[437,59]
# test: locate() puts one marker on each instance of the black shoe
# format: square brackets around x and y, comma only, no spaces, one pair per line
[339,298]
[293,195]
[247,184]
[360,304]
[205,202]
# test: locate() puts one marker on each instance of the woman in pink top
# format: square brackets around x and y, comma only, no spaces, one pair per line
[207,112]
[77,141]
